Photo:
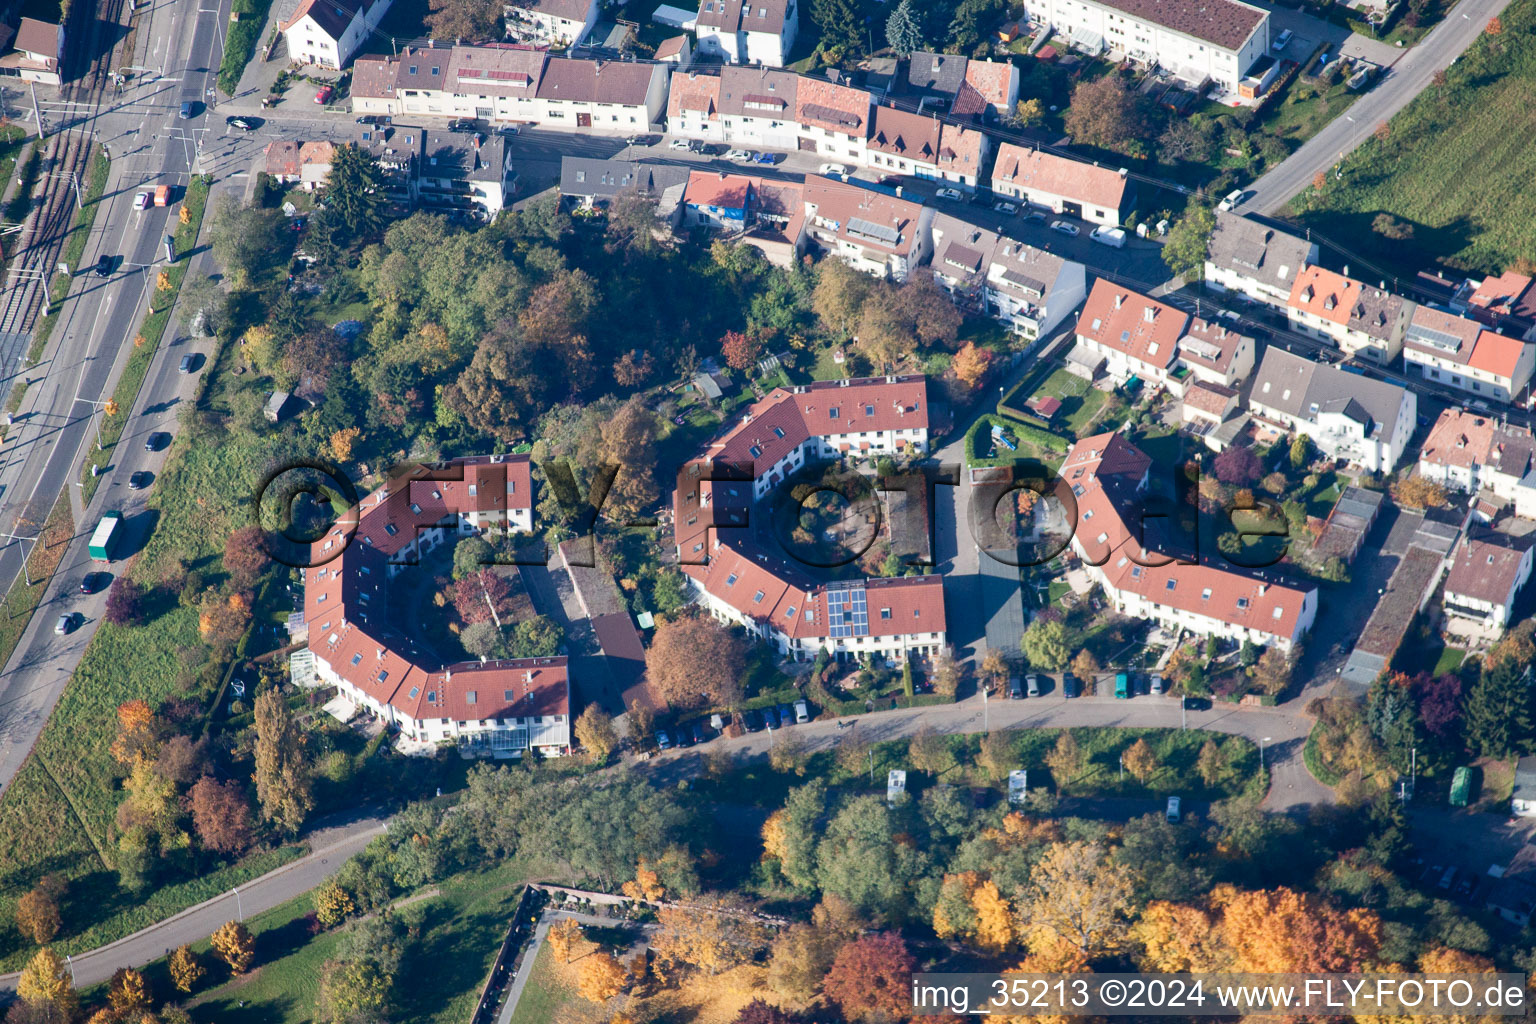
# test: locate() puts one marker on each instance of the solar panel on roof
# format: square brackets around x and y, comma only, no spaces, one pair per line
[869,229]
[1436,339]
[848,611]
[1024,281]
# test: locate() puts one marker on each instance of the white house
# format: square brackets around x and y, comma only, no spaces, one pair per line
[1197,41]
[902,142]
[747,31]
[1073,187]
[1027,288]
[1365,322]
[38,45]
[328,32]
[1215,354]
[1135,335]
[1348,416]
[562,23]
[464,172]
[1146,579]
[1255,259]
[869,230]
[1463,354]
[1471,452]
[1486,576]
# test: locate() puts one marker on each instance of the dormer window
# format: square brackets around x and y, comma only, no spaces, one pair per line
[730,580]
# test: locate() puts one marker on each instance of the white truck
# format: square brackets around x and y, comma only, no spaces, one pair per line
[1113,237]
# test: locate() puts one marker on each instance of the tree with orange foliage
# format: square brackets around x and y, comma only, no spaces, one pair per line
[135,733]
[1140,760]
[994,918]
[1283,931]
[1319,180]
[562,937]
[646,886]
[1076,896]
[713,936]
[971,364]
[601,978]
[740,350]
[871,976]
[1177,938]
[1495,26]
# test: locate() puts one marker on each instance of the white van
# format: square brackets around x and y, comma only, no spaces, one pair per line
[1173,809]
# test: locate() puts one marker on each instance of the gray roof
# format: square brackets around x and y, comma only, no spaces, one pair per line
[601,179]
[1255,250]
[939,74]
[1357,501]
[1525,778]
[596,81]
[1292,384]
[771,93]
[464,156]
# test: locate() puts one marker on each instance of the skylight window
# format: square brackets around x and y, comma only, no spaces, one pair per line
[1242,602]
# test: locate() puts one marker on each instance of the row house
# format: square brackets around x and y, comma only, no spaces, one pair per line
[515,84]
[1134,335]
[901,142]
[1471,452]
[1256,260]
[560,23]
[1487,573]
[1366,323]
[1150,579]
[327,33]
[1505,302]
[1463,354]
[1072,187]
[1348,416]
[1215,354]
[834,119]
[1198,41]
[747,31]
[973,90]
[1029,289]
[869,230]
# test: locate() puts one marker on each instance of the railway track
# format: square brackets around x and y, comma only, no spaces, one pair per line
[62,170]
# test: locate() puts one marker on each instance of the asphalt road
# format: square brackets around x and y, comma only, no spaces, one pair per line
[1407,78]
[56,425]
[330,849]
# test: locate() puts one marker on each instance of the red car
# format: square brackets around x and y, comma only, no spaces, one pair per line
[324,95]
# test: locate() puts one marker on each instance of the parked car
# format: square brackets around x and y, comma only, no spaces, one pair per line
[834,169]
[464,124]
[1112,237]
[1122,686]
[891,179]
[1032,685]
[1064,228]
[1034,217]
[1006,207]
[663,740]
[697,732]
[952,194]
[802,711]
[1070,687]
[1173,809]
[786,715]
[751,721]
[240,123]
[1015,688]
[375,119]
[1282,40]
[739,155]
[1231,202]
[138,481]
[770,719]
[141,201]
[325,94]
[187,362]
[678,144]
[767,158]
[1157,683]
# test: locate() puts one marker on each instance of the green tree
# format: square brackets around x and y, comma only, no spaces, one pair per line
[860,860]
[1046,645]
[1185,249]
[902,30]
[284,774]
[538,637]
[1301,452]
[1497,713]
[972,21]
[1393,718]
[842,27]
[354,192]
[470,555]
[483,639]
[245,240]
[357,987]
[1030,112]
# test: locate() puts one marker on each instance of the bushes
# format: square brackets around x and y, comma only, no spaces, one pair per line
[240,43]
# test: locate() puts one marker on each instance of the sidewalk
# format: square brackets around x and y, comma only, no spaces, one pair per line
[525,969]
[335,846]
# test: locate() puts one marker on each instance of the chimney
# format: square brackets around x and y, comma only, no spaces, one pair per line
[1119,301]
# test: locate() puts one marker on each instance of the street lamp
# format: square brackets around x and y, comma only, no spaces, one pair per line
[108,404]
[1262,764]
[239,910]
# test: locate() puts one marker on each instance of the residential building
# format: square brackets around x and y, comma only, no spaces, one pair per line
[1488,571]
[1471,452]
[1255,259]
[757,107]
[1072,187]
[593,182]
[398,152]
[1198,41]
[1214,354]
[505,708]
[560,23]
[1348,416]
[935,79]
[1206,406]
[1366,323]
[833,119]
[464,173]
[718,200]
[1464,354]
[35,58]
[494,83]
[901,142]
[373,85]
[693,105]
[747,31]
[892,619]
[1506,302]
[1147,575]
[293,162]
[973,89]
[778,226]
[869,230]
[675,51]
[421,85]
[1027,288]
[604,94]
[1136,335]
[328,32]
[1523,803]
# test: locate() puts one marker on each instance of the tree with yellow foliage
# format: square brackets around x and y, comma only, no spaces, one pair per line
[135,732]
[128,993]
[1076,896]
[798,960]
[333,905]
[1065,759]
[994,918]
[259,346]
[594,731]
[999,753]
[563,935]
[711,937]
[646,886]
[995,667]
[1283,931]
[1085,665]
[601,978]
[1176,938]
[1140,760]
[186,969]
[340,444]
[971,364]
[235,946]
[163,281]
[44,986]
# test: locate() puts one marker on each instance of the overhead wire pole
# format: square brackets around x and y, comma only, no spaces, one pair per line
[13,535]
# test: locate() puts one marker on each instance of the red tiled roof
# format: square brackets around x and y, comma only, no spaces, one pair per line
[1325,294]
[1486,568]
[1496,354]
[712,188]
[1458,438]
[836,204]
[1212,399]
[905,134]
[282,157]
[1208,343]
[1058,176]
[1129,322]
[696,92]
[838,108]
[990,80]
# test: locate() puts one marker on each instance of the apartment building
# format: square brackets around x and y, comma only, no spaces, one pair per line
[1366,323]
[464,173]
[833,119]
[1029,289]
[977,90]
[1464,354]
[1487,573]
[1133,334]
[1214,354]
[1072,187]
[1255,259]
[869,230]
[1348,416]
[901,142]
[1472,452]
[561,23]
[327,33]
[747,31]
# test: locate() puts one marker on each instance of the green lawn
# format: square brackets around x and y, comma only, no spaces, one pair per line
[1449,661]
[544,994]
[1081,402]
[1033,443]
[1308,105]
[1455,164]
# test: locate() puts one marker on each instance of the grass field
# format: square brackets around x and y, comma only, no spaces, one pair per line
[1080,401]
[1456,164]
